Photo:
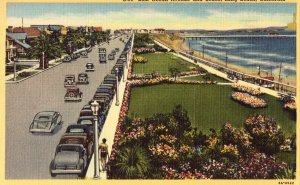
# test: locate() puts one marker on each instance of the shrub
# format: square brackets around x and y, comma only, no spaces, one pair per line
[266,135]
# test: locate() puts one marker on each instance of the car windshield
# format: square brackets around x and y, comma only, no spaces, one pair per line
[76,130]
[43,118]
[86,122]
[41,124]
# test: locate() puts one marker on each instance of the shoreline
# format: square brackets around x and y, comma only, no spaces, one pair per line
[291,81]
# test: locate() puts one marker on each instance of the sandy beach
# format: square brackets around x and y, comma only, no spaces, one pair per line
[177,44]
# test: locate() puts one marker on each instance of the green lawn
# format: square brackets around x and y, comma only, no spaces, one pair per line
[161,62]
[208,106]
[201,78]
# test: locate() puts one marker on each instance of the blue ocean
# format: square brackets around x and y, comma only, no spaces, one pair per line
[249,53]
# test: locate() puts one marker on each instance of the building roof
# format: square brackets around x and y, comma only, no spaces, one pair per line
[31,31]
[159,29]
[97,29]
[17,36]
[49,27]
[24,45]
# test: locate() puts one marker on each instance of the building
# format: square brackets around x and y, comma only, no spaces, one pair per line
[32,32]
[49,29]
[158,30]
[16,45]
[97,29]
[293,25]
[142,31]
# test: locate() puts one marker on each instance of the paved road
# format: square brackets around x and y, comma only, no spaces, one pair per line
[28,156]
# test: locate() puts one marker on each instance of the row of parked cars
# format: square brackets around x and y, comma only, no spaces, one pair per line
[75,149]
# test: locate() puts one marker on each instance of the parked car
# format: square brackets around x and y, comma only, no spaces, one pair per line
[45,122]
[109,86]
[111,57]
[117,49]
[67,58]
[82,78]
[70,81]
[113,52]
[70,158]
[78,132]
[73,94]
[86,118]
[89,67]
[105,89]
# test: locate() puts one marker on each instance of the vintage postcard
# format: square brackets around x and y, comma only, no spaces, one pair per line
[150,90]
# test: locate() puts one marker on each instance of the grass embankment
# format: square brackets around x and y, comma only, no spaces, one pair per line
[208,106]
[161,62]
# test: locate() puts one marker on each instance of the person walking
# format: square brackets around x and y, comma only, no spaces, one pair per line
[103,148]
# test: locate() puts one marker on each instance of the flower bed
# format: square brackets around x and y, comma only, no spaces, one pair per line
[139,59]
[189,73]
[143,50]
[249,100]
[290,105]
[243,88]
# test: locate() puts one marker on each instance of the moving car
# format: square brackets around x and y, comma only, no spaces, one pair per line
[45,122]
[89,67]
[70,81]
[102,55]
[111,57]
[83,78]
[67,58]
[73,94]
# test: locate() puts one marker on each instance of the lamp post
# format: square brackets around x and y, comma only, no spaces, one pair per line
[43,53]
[123,71]
[15,69]
[117,91]
[95,109]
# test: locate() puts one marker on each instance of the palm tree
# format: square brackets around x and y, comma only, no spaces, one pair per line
[174,72]
[45,49]
[132,163]
[77,40]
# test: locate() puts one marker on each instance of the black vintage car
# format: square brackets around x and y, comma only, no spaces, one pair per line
[89,67]
[103,89]
[73,94]
[111,57]
[82,78]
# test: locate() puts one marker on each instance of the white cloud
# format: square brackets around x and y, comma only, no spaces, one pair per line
[150,18]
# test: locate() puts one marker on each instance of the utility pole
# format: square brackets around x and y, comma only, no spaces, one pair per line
[226,57]
[279,75]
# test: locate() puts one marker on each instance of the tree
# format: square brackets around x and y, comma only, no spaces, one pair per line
[174,72]
[131,163]
[181,116]
[77,40]
[45,49]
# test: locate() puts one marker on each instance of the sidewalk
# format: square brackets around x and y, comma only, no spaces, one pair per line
[110,125]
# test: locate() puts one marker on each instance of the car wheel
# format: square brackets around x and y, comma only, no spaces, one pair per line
[71,94]
[51,167]
[53,174]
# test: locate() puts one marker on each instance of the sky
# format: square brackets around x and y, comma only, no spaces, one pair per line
[152,15]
